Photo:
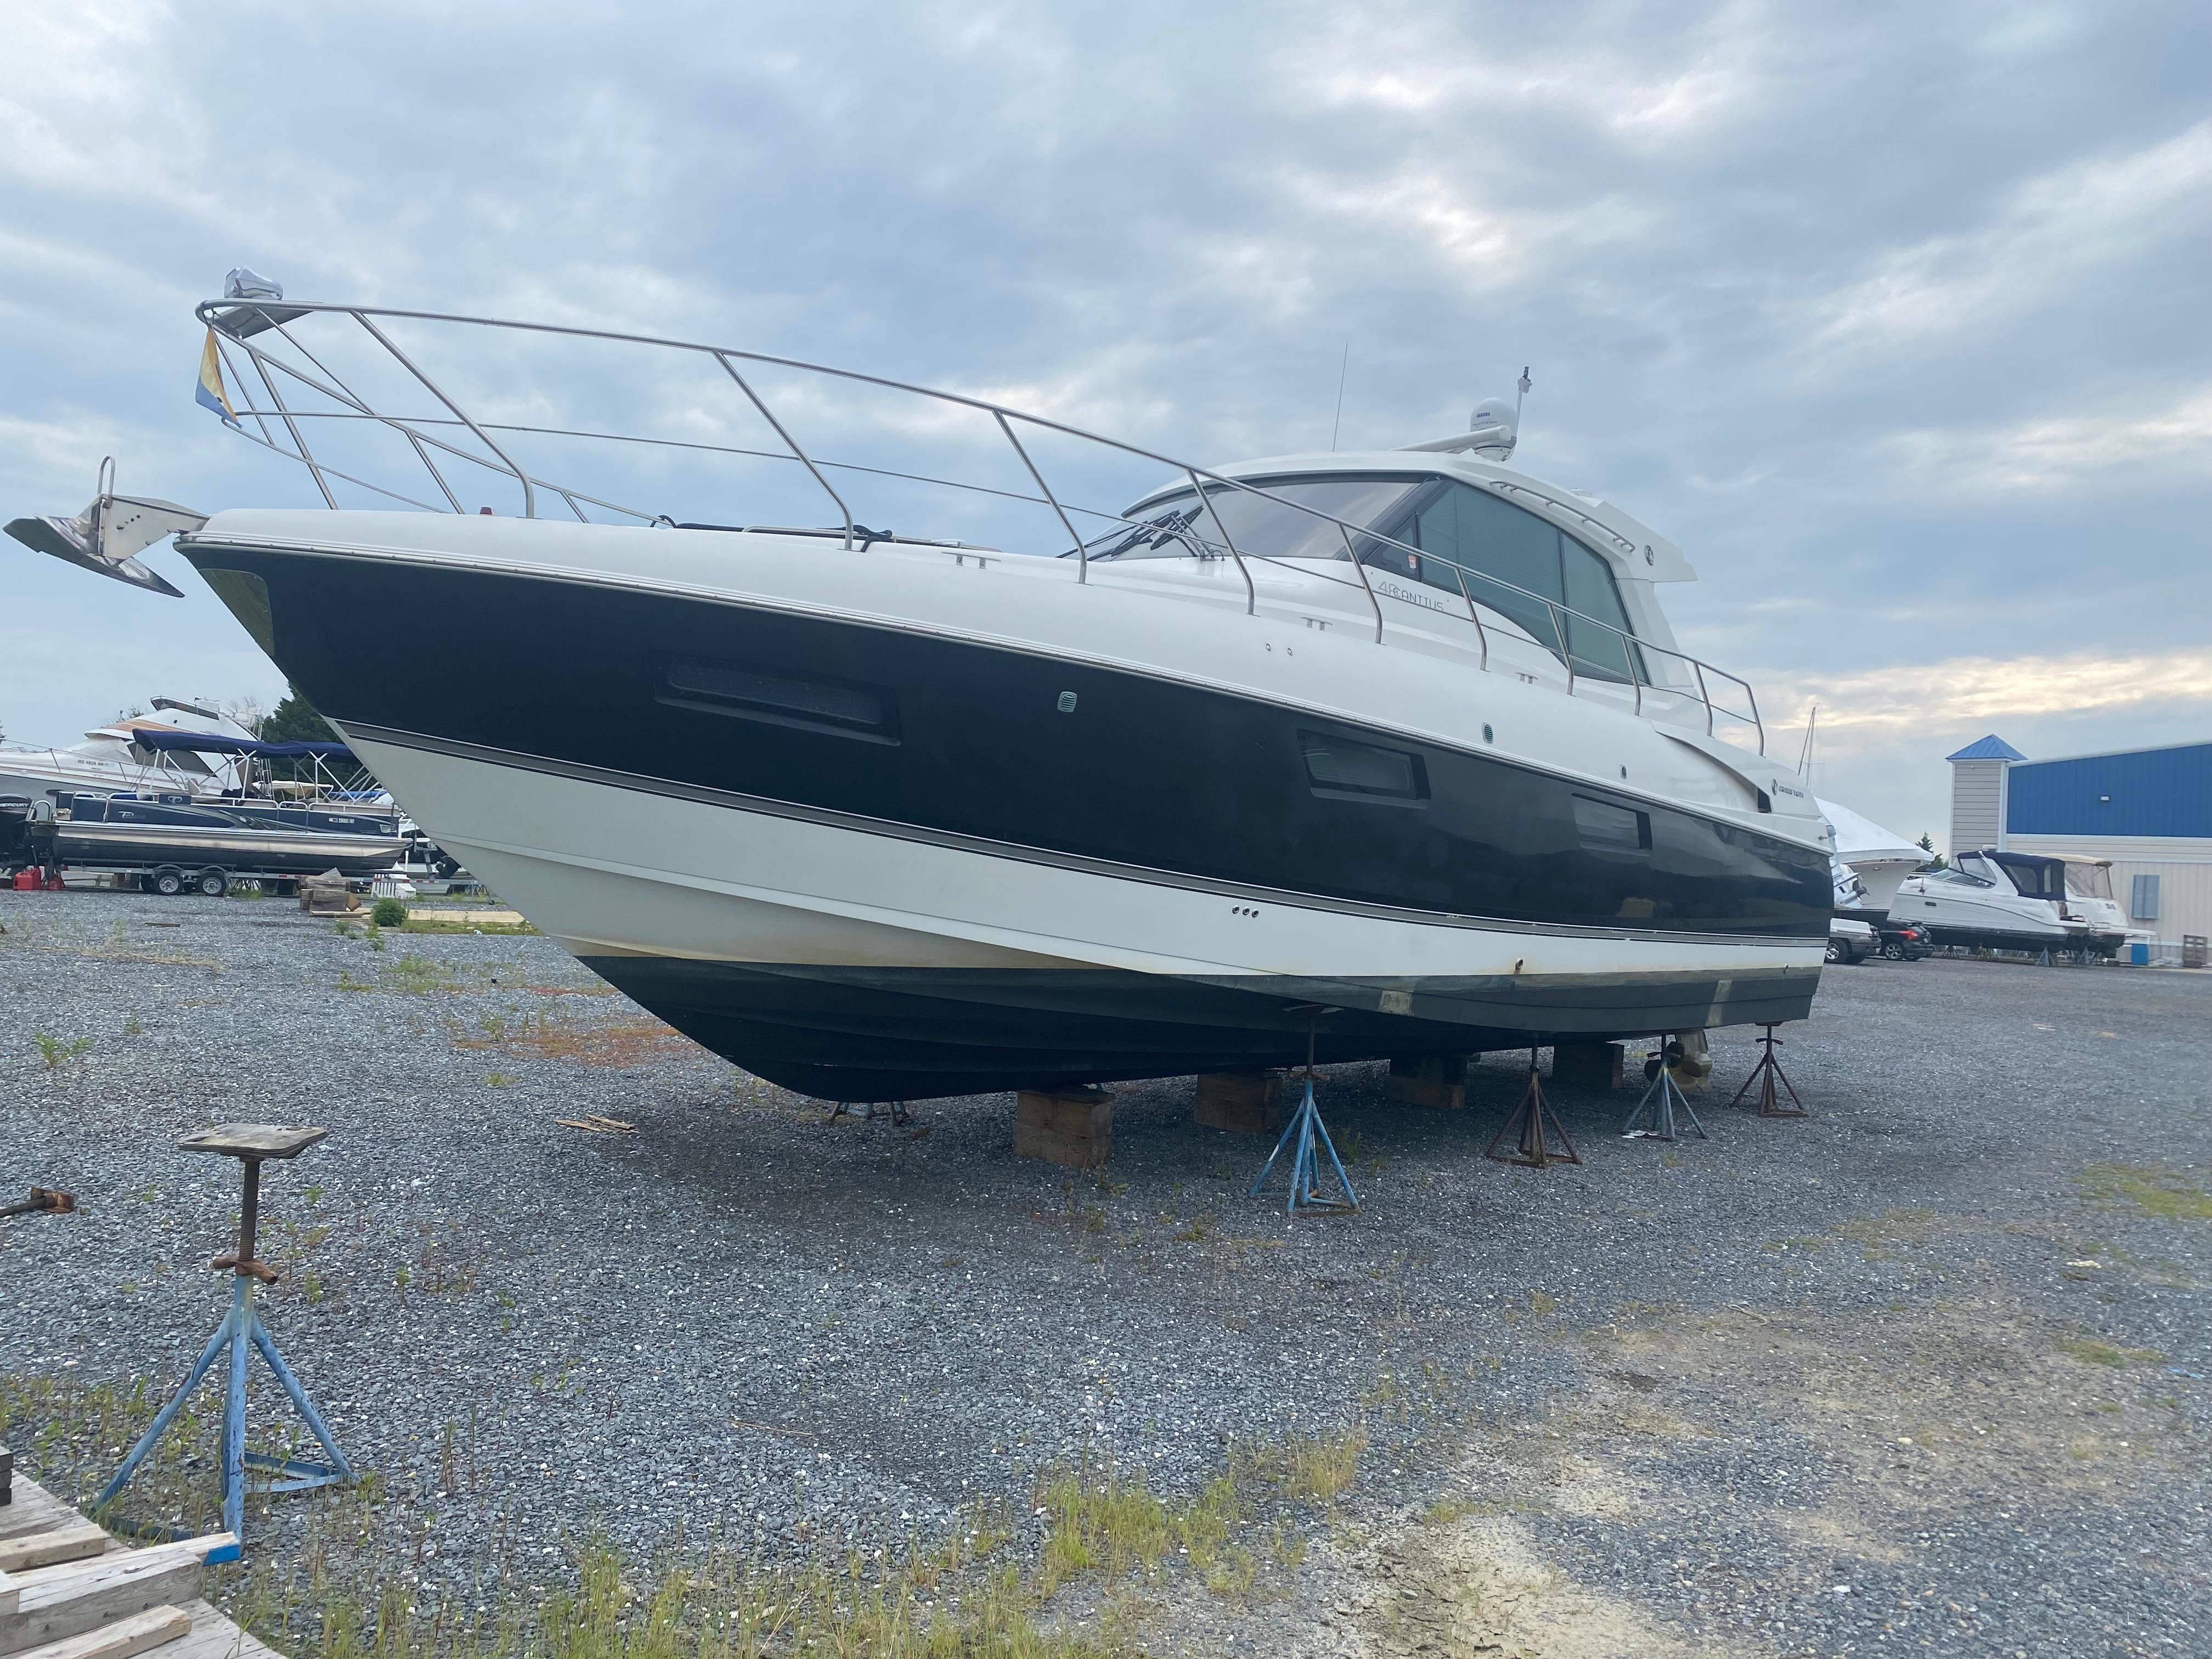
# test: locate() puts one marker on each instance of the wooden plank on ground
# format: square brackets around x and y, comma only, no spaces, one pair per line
[67,1600]
[214,1637]
[71,1541]
[33,1509]
[123,1639]
[9,1591]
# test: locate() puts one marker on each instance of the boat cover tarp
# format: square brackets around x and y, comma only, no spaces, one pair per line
[1858,838]
[217,743]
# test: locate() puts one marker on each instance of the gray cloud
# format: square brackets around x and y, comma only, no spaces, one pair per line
[1891,315]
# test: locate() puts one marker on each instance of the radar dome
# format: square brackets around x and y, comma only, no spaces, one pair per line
[1493,429]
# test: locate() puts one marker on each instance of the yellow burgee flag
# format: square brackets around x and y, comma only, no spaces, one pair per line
[210,394]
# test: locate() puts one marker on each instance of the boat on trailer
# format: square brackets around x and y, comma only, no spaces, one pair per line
[1394,749]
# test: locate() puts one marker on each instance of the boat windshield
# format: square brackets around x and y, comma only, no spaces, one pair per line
[1177,526]
[2085,880]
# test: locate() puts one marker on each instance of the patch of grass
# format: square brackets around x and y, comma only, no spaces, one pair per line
[550,1035]
[2091,1351]
[54,1051]
[1882,1236]
[2153,1191]
[1446,1511]
[418,922]
[424,976]
[1313,1468]
[388,913]
[347,1592]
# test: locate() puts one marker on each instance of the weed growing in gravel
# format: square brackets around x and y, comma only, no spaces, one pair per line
[1882,1237]
[2153,1191]
[550,1034]
[1313,1468]
[422,976]
[2090,1352]
[54,1051]
[347,1592]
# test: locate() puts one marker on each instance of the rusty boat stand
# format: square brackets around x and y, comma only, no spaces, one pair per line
[1766,1074]
[43,1201]
[251,1144]
[1532,1126]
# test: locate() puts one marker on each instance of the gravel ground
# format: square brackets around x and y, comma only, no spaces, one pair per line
[1925,1372]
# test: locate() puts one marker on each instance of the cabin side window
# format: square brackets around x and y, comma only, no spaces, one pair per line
[1493,538]
[1617,831]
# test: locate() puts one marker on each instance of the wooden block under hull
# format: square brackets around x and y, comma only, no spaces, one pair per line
[1241,1102]
[1074,1127]
[1435,1081]
[1588,1065]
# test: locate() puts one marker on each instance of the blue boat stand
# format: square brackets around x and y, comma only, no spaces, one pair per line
[241,1329]
[1308,1136]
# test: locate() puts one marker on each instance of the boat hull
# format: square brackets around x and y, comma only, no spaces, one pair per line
[248,852]
[873,861]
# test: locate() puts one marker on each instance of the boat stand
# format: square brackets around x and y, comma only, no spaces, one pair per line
[1661,1098]
[871,1111]
[1532,1125]
[241,1329]
[1308,1135]
[1766,1074]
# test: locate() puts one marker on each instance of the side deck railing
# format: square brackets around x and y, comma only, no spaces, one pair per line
[246,328]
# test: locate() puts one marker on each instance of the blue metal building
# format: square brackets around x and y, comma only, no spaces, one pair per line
[2148,811]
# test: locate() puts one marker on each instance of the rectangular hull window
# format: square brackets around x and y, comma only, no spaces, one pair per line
[780,699]
[1618,830]
[1363,771]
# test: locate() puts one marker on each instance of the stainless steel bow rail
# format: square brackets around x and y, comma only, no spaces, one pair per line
[250,327]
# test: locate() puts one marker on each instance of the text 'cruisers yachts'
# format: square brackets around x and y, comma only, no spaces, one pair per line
[1394,745]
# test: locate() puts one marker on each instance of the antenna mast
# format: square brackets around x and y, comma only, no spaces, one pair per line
[1343,369]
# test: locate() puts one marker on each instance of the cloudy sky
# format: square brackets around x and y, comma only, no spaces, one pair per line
[1893,316]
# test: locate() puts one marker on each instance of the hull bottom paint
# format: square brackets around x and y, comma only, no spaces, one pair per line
[906,1033]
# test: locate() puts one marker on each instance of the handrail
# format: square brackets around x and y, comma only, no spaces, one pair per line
[236,321]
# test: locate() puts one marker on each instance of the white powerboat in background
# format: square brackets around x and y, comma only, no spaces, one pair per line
[2006,901]
[1879,858]
[1393,747]
[119,759]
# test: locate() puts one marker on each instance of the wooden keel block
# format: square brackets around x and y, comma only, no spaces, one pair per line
[1072,1126]
[1587,1065]
[10,1592]
[1241,1102]
[1437,1081]
[123,1640]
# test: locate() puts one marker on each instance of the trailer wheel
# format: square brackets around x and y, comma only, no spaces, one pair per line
[214,884]
[167,882]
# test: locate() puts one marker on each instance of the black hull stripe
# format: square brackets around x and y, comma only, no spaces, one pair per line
[200,551]
[676,790]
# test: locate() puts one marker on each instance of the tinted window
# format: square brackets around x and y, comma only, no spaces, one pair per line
[1604,828]
[780,698]
[1589,581]
[1492,537]
[1335,766]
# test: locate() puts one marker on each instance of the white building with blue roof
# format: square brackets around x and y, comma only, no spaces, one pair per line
[2147,811]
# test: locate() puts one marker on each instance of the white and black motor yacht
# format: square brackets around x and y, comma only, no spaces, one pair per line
[1394,747]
